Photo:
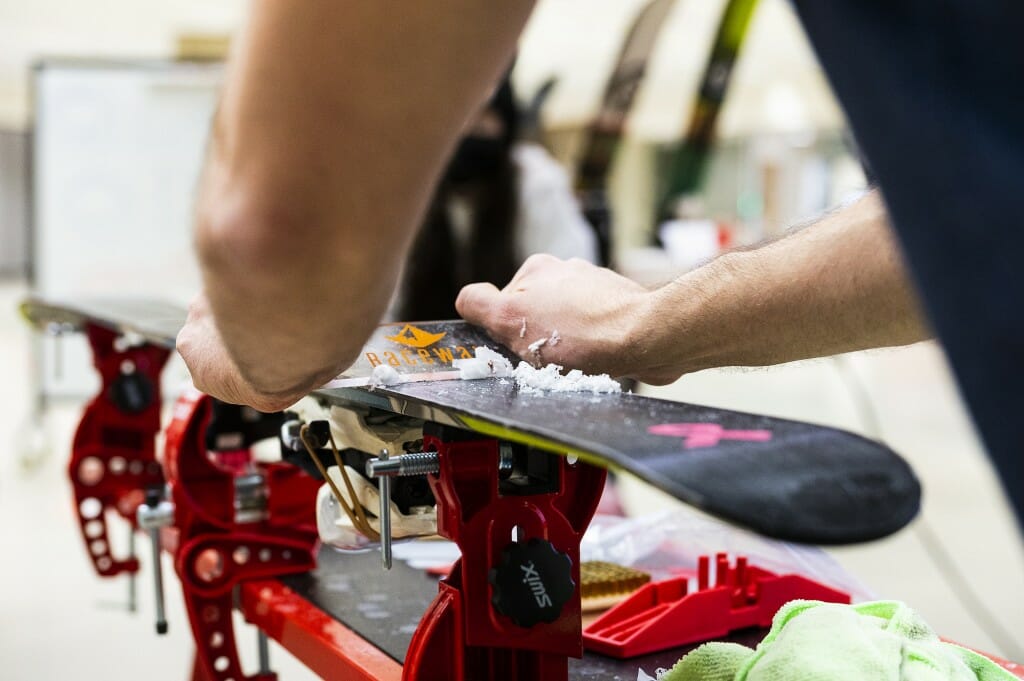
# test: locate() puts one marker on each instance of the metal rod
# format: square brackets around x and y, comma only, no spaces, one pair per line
[133,598]
[385,514]
[58,356]
[158,577]
[263,646]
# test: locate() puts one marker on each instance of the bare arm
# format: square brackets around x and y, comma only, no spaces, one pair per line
[335,120]
[836,286]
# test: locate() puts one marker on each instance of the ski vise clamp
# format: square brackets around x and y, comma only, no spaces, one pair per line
[235,519]
[113,455]
[510,609]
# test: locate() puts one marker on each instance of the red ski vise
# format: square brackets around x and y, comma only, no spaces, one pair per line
[666,614]
[113,455]
[236,522]
[511,607]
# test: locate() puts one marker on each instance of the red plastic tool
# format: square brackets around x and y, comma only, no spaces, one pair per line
[666,614]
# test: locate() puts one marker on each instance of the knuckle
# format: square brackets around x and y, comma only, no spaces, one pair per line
[538,260]
[469,301]
[470,295]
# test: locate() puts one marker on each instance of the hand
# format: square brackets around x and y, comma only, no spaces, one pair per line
[213,371]
[600,317]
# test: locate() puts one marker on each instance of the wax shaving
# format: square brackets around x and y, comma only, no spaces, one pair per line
[384,375]
[531,381]
[550,379]
[485,364]
[550,341]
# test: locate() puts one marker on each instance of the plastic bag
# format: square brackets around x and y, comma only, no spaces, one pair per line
[668,543]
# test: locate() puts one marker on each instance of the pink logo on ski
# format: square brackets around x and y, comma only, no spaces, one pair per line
[698,435]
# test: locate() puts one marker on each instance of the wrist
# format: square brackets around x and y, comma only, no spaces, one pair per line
[686,321]
[656,338]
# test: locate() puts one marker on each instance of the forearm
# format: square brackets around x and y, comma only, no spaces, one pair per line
[335,120]
[836,286]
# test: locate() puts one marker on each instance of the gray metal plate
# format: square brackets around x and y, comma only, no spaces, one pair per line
[155,321]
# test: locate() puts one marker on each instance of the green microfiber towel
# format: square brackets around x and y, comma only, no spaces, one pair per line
[815,641]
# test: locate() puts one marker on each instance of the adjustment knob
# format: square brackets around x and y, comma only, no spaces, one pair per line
[532,583]
[132,392]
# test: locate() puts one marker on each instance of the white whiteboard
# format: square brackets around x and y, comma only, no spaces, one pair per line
[117,149]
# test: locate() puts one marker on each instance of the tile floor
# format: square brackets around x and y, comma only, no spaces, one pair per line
[59,621]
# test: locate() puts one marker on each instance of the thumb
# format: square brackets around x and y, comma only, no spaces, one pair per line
[477,303]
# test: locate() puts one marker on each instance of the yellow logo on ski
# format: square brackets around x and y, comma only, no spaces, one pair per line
[416,338]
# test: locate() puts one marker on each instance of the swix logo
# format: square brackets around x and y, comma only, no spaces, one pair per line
[699,435]
[533,580]
[416,338]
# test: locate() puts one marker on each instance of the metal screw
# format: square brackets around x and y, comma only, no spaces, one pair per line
[386,467]
[153,514]
[415,463]
[506,458]
[263,650]
[250,498]
[132,581]
[290,435]
[385,510]
[426,463]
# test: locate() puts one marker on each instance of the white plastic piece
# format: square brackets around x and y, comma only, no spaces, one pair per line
[335,528]
[267,450]
[351,431]
[330,528]
[428,553]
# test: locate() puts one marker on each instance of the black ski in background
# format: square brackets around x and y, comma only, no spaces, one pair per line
[605,133]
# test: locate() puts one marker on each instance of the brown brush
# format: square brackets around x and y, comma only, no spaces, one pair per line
[603,584]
